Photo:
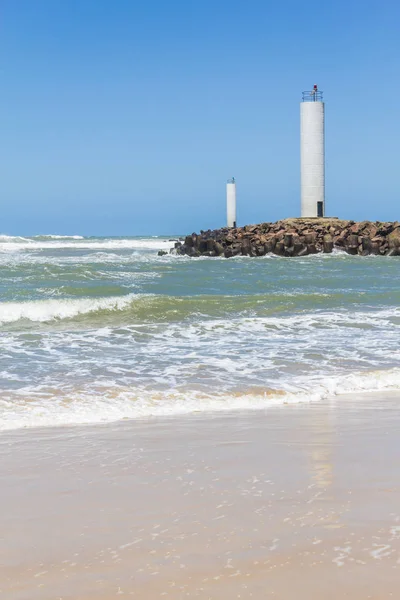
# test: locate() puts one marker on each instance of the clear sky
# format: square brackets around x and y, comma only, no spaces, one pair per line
[127,116]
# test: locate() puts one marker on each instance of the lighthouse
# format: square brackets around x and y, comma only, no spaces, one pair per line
[312,153]
[231,203]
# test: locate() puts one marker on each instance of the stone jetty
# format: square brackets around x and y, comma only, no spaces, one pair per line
[295,237]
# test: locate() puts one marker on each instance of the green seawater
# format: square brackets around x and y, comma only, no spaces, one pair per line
[98,329]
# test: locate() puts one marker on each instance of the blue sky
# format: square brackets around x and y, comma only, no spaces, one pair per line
[125,117]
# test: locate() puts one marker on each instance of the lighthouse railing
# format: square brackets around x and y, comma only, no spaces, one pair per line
[312,96]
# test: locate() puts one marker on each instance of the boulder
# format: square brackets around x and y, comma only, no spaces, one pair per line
[340,239]
[298,249]
[288,240]
[394,239]
[357,227]
[370,230]
[236,249]
[328,243]
[310,238]
[375,248]
[202,245]
[366,245]
[189,241]
[246,247]
[260,250]
[279,248]
[269,246]
[351,244]
[210,245]
[303,251]
[218,248]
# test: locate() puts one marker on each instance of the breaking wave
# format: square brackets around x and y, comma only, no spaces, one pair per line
[32,408]
[76,242]
[245,313]
[48,310]
[51,236]
[12,238]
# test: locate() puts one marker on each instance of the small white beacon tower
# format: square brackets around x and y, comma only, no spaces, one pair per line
[312,153]
[231,202]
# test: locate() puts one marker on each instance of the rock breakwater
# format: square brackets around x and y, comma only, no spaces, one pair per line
[295,237]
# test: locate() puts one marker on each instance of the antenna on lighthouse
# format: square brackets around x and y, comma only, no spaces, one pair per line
[231,202]
[312,153]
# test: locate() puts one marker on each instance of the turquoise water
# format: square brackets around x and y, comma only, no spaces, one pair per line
[99,329]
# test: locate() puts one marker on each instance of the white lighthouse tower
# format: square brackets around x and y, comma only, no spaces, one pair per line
[312,154]
[231,202]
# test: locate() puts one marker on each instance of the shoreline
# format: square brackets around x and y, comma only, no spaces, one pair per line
[247,402]
[296,503]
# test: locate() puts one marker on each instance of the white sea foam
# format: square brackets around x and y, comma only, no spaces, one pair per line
[36,408]
[316,321]
[48,310]
[18,244]
[54,236]
[12,238]
[155,369]
[101,408]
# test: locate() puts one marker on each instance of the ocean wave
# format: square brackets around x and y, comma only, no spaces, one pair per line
[18,244]
[54,236]
[9,239]
[48,310]
[239,314]
[39,408]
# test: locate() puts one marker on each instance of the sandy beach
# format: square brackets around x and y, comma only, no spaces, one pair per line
[199,301]
[293,502]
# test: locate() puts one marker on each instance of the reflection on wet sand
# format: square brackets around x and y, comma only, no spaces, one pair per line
[322,434]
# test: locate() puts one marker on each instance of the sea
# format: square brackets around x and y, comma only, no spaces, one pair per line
[99,329]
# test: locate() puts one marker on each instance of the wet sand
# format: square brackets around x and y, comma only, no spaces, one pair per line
[294,502]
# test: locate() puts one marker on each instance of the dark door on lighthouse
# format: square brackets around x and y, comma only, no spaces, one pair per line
[320,209]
